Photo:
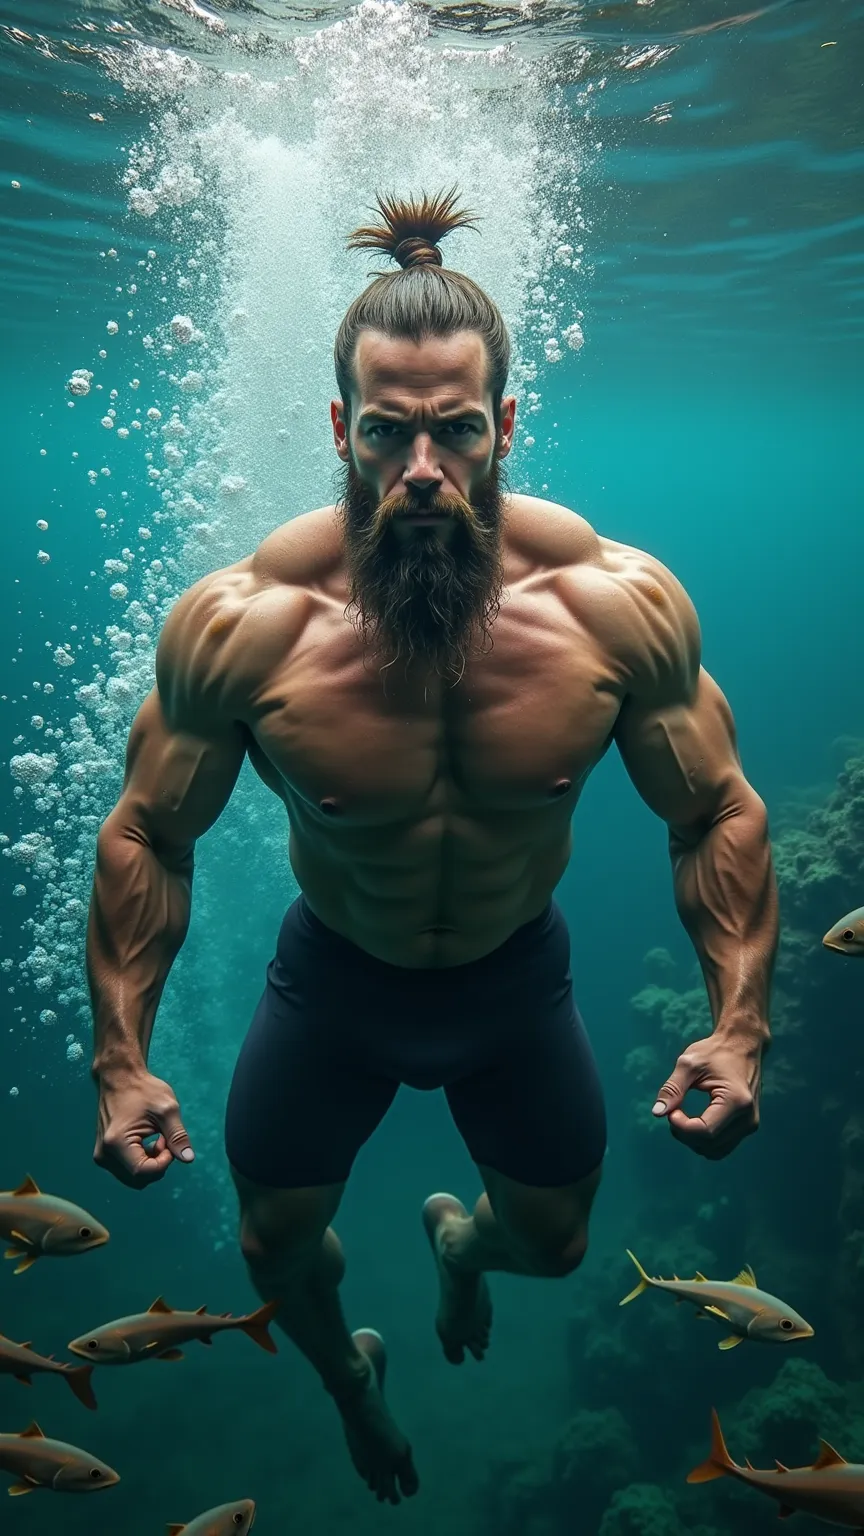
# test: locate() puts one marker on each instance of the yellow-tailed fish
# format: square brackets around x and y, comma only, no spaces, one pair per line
[831,1489]
[847,936]
[44,1226]
[749,1312]
[22,1362]
[226,1520]
[157,1334]
[36,1462]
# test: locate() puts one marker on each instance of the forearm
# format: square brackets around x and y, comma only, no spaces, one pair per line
[726,896]
[139,916]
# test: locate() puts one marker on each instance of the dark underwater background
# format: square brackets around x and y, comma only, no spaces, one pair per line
[713,417]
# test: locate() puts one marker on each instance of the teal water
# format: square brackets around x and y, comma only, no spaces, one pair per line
[712,179]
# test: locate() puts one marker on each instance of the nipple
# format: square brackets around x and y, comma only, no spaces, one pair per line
[329,806]
[562,787]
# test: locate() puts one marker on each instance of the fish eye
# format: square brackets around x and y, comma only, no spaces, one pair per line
[95,1474]
[786,1324]
[92,1343]
[238,1518]
[847,935]
[85,1231]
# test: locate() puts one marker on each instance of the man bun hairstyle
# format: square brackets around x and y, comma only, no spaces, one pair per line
[423,298]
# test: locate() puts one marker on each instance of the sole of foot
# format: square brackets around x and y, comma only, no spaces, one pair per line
[464,1317]
[379,1450]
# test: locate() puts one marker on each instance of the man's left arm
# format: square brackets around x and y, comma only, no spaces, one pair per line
[676,736]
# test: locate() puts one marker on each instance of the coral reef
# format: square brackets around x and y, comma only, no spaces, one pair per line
[643,1509]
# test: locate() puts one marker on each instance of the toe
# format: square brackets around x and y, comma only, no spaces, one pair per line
[409,1482]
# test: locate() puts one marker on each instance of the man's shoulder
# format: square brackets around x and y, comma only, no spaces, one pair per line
[629,598]
[551,534]
[232,623]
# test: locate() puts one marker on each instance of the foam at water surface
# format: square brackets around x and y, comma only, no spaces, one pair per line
[256,181]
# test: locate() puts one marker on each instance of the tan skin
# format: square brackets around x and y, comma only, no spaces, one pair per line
[428,822]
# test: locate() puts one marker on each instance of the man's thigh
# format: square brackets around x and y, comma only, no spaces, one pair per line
[298,1110]
[534,1113]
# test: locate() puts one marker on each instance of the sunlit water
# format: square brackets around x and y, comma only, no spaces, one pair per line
[668,220]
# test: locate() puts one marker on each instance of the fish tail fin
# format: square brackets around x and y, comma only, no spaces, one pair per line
[719,1463]
[644,1281]
[255,1325]
[78,1377]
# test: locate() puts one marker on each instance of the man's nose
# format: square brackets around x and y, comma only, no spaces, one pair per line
[422,472]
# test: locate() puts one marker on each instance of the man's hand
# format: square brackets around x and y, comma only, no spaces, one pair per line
[730,1071]
[133,1109]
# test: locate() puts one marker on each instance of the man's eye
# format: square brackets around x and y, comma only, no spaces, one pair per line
[384,429]
[458,428]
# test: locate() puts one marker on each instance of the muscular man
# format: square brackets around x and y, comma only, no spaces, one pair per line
[425,674]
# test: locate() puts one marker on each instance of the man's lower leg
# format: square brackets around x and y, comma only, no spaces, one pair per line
[311,1312]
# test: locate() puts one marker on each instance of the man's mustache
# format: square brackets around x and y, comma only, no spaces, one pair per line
[440,504]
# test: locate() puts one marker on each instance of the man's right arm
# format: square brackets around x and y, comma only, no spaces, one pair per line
[184,755]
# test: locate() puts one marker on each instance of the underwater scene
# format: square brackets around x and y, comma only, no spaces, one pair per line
[662,201]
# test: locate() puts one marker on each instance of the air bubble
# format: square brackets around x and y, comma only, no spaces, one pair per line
[43,556]
[79,383]
[182,328]
[112,327]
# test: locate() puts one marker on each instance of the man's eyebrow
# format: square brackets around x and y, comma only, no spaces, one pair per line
[394,414]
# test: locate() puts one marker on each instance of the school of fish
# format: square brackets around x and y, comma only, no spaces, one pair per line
[39,1225]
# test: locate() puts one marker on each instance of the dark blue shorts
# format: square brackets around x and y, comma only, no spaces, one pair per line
[337,1031]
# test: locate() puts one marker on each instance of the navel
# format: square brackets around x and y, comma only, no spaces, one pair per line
[329,806]
[563,787]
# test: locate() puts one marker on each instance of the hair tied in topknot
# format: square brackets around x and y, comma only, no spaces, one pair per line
[412,229]
[415,252]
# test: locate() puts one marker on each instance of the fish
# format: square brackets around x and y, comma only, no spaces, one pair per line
[44,1226]
[37,1462]
[847,936]
[22,1362]
[831,1489]
[226,1520]
[158,1333]
[750,1313]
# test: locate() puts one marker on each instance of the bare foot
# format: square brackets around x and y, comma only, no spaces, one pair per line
[464,1315]
[378,1450]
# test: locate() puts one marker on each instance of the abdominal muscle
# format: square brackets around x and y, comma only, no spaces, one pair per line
[433,894]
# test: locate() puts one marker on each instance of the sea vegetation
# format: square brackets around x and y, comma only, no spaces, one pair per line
[790,1202]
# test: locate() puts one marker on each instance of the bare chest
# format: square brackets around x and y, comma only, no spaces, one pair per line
[521,730]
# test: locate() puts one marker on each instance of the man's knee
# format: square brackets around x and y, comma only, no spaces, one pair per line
[283,1225]
[554,1257]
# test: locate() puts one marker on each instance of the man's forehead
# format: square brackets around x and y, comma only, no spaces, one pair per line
[455,366]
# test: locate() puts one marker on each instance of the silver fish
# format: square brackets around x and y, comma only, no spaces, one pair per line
[157,1334]
[226,1520]
[750,1313]
[847,936]
[22,1362]
[831,1489]
[36,1462]
[44,1226]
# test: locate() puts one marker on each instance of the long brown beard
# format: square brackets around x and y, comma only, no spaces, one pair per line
[424,599]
